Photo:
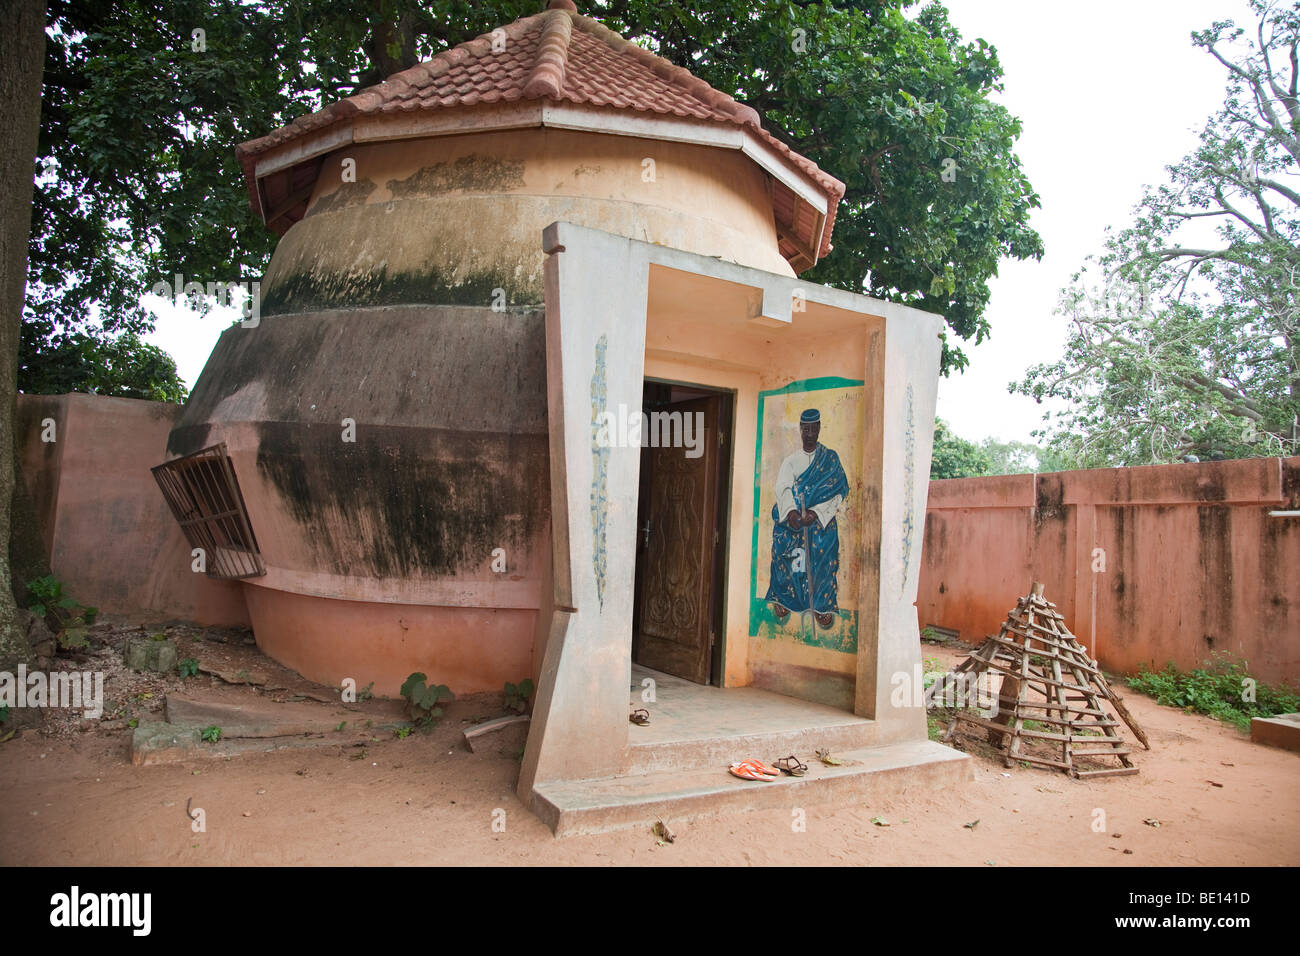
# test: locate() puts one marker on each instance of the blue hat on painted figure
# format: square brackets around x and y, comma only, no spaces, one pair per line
[810,415]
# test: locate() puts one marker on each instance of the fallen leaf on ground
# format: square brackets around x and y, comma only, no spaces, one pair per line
[972,825]
[880,821]
[664,834]
[825,757]
[1151,822]
[1214,783]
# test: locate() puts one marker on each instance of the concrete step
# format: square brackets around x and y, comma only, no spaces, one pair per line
[722,750]
[875,774]
[158,743]
[250,725]
[255,717]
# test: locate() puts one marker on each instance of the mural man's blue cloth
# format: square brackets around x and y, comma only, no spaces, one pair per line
[799,585]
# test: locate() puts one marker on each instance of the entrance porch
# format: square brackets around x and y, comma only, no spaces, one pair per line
[781,353]
[675,767]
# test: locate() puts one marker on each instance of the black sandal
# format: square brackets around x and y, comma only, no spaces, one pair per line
[792,765]
[640,717]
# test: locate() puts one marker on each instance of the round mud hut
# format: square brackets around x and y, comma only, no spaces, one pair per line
[380,480]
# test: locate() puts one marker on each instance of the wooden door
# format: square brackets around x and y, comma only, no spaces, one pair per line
[675,613]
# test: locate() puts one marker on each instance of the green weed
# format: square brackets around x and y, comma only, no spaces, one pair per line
[69,620]
[1222,689]
[517,695]
[422,701]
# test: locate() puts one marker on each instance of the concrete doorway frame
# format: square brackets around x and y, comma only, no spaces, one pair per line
[597,359]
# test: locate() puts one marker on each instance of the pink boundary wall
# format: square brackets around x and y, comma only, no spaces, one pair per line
[1194,563]
[111,538]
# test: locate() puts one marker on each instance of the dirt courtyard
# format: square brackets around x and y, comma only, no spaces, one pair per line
[425,799]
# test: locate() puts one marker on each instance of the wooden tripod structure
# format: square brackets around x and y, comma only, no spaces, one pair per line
[1047,678]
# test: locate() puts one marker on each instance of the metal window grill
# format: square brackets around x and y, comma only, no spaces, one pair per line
[204,497]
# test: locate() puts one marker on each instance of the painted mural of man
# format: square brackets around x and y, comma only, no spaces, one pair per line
[810,486]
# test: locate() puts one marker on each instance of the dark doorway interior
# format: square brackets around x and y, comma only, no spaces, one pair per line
[682,510]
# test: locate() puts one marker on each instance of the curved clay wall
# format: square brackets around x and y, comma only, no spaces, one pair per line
[447,464]
[377,308]
[449,219]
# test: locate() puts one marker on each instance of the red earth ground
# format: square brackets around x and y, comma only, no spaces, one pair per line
[425,799]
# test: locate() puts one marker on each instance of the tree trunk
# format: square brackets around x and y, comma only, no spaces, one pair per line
[22,61]
[27,557]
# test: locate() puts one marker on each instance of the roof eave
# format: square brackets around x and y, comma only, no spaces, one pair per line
[272,156]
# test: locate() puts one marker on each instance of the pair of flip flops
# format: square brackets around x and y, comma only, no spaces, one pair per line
[754,770]
[757,770]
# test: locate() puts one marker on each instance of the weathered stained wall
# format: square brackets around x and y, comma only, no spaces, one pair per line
[1188,560]
[111,537]
[450,219]
[448,449]
[441,469]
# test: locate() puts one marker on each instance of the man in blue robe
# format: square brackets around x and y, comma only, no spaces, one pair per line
[810,486]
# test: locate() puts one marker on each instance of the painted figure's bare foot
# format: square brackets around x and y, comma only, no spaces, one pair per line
[780,612]
[824,621]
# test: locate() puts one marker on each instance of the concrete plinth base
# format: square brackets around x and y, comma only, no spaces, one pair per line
[251,726]
[875,774]
[1280,731]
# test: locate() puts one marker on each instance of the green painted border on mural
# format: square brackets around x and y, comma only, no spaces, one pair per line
[842,638]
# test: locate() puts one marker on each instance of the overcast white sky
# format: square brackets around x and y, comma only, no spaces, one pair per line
[1109,92]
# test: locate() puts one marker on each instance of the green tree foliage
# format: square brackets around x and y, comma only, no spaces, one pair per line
[1181,349]
[138,179]
[886,103]
[1020,458]
[119,365]
[955,457]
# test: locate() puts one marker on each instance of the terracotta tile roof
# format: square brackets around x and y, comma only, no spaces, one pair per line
[558,56]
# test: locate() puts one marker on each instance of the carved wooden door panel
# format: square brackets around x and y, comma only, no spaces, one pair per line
[675,613]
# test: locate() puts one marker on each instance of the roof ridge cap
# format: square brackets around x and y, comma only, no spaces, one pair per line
[546,77]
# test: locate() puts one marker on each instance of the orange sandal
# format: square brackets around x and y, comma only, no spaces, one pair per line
[762,767]
[747,772]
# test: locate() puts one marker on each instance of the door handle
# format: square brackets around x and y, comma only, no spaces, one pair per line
[645,534]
